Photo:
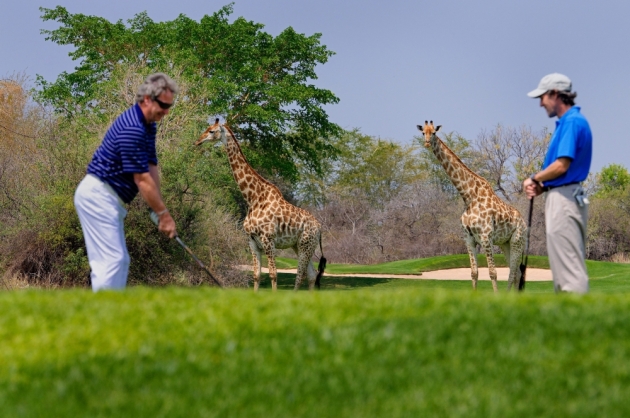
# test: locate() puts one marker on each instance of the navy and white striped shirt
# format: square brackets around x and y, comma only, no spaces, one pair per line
[128,148]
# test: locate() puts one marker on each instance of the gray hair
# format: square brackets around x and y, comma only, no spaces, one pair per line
[154,85]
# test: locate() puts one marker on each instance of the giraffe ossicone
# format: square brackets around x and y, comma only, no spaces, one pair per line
[271,221]
[487,220]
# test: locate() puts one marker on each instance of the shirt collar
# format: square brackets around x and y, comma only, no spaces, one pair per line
[139,113]
[574,109]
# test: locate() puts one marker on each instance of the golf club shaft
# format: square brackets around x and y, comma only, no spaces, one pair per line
[523,266]
[156,221]
[189,251]
[529,224]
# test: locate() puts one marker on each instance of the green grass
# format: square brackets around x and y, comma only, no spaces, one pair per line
[604,277]
[395,352]
[362,347]
[415,266]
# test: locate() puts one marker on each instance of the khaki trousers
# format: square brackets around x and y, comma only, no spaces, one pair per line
[566,236]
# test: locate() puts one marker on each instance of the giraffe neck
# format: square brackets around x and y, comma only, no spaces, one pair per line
[251,184]
[461,176]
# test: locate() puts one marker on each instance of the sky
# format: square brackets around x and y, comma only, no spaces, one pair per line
[466,65]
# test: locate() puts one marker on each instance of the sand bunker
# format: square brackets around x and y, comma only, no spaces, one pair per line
[533,275]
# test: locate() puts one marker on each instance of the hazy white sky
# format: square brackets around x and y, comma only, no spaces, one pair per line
[467,65]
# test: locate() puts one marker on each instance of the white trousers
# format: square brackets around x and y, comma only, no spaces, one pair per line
[102,214]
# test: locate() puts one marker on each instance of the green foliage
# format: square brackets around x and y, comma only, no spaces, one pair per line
[197,185]
[372,168]
[377,168]
[613,179]
[395,353]
[609,213]
[260,84]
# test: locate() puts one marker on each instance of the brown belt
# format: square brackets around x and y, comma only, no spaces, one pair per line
[547,188]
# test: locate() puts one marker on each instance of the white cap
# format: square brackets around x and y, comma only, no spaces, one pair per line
[553,81]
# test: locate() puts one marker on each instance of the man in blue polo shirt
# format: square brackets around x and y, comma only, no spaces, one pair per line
[567,164]
[124,164]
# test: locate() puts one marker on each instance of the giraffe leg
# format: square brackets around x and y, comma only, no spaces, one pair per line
[301,272]
[311,274]
[517,247]
[305,260]
[486,244]
[256,254]
[505,248]
[270,252]
[298,276]
[471,245]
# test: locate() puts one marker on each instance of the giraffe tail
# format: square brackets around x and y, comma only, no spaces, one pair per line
[321,266]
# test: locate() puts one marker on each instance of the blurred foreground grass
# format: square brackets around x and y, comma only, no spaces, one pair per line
[410,351]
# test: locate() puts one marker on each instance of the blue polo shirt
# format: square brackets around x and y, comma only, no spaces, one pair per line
[571,139]
[128,148]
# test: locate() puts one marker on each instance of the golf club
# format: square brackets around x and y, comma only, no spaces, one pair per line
[523,266]
[156,221]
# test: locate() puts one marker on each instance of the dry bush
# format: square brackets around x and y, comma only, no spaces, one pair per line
[505,156]
[33,263]
[345,220]
[226,245]
[608,228]
[21,124]
[538,235]
[422,221]
[623,258]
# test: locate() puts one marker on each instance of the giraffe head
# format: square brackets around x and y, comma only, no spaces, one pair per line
[429,132]
[214,133]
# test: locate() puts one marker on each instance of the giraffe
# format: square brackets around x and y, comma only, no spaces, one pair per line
[271,221]
[487,219]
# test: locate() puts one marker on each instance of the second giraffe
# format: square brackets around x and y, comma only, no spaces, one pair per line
[487,219]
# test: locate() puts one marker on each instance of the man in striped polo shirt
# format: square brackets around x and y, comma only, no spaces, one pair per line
[124,163]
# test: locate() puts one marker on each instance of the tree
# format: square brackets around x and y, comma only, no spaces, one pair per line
[506,156]
[261,85]
[375,168]
[21,123]
[613,178]
[609,213]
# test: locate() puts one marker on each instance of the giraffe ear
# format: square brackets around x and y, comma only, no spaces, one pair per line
[438,128]
[419,127]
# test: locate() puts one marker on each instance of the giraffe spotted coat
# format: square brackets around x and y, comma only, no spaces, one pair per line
[271,221]
[487,219]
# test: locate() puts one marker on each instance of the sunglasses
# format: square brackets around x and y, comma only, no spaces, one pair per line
[162,104]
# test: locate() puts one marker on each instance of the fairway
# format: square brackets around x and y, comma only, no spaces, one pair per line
[605,277]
